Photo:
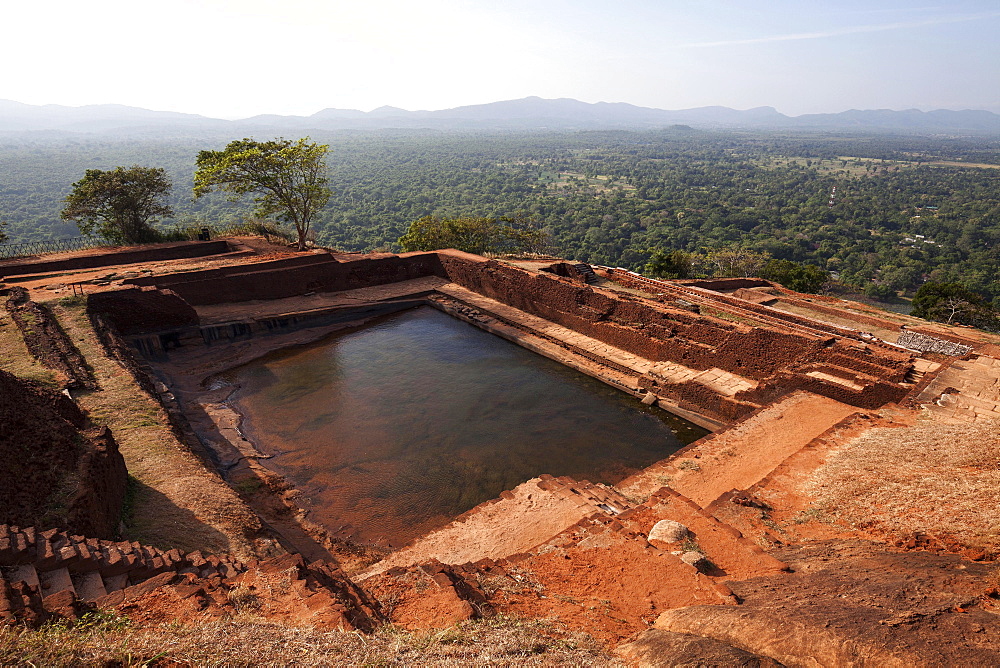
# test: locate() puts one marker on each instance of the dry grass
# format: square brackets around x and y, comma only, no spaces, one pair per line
[175,500]
[935,478]
[243,641]
[952,163]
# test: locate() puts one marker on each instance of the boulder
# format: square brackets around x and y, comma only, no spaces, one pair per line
[668,531]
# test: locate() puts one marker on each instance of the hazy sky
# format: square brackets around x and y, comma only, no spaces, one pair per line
[237,58]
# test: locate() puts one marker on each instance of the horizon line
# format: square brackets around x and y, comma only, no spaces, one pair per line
[480,104]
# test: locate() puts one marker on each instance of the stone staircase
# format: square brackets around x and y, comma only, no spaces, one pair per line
[589,496]
[51,571]
[52,574]
[586,271]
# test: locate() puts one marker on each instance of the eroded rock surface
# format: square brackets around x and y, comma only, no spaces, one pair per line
[857,604]
[57,469]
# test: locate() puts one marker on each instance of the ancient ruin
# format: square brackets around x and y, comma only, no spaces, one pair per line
[807,528]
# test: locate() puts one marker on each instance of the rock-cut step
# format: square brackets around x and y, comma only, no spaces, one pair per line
[60,568]
[586,271]
[530,514]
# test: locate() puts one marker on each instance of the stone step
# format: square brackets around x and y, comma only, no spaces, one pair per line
[113,583]
[60,568]
[24,573]
[55,581]
[586,271]
[15,546]
[89,586]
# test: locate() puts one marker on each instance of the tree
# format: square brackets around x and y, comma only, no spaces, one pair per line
[738,261]
[483,236]
[675,264]
[795,275]
[288,178]
[119,205]
[953,302]
[880,292]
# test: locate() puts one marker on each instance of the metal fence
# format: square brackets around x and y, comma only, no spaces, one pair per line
[8,251]
[30,248]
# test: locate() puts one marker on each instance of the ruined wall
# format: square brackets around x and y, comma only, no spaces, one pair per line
[778,360]
[729,283]
[169,280]
[860,318]
[56,468]
[138,310]
[156,252]
[756,296]
[47,342]
[566,270]
[776,357]
[875,394]
[268,281]
[658,334]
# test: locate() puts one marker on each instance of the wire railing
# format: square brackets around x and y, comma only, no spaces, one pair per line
[28,248]
[48,246]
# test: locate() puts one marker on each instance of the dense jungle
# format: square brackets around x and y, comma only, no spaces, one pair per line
[883,214]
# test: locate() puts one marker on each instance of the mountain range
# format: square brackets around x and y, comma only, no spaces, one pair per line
[530,113]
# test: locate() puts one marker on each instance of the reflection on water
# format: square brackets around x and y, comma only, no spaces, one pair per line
[393,429]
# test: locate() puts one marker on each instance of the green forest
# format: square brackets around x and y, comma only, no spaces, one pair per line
[883,213]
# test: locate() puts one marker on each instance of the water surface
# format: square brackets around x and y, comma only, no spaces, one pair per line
[394,428]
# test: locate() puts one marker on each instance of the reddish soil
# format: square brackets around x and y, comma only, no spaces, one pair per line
[605,582]
[854,603]
[282,588]
[431,596]
[731,555]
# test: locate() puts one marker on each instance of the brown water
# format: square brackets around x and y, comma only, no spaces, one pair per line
[393,429]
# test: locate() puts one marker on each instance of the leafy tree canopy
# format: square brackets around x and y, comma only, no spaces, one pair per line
[737,261]
[287,178]
[120,204]
[906,209]
[482,236]
[672,264]
[953,303]
[796,275]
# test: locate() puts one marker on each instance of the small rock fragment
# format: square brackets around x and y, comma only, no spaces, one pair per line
[668,531]
[693,558]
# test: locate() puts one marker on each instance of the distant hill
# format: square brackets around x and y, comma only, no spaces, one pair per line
[530,113]
[96,118]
